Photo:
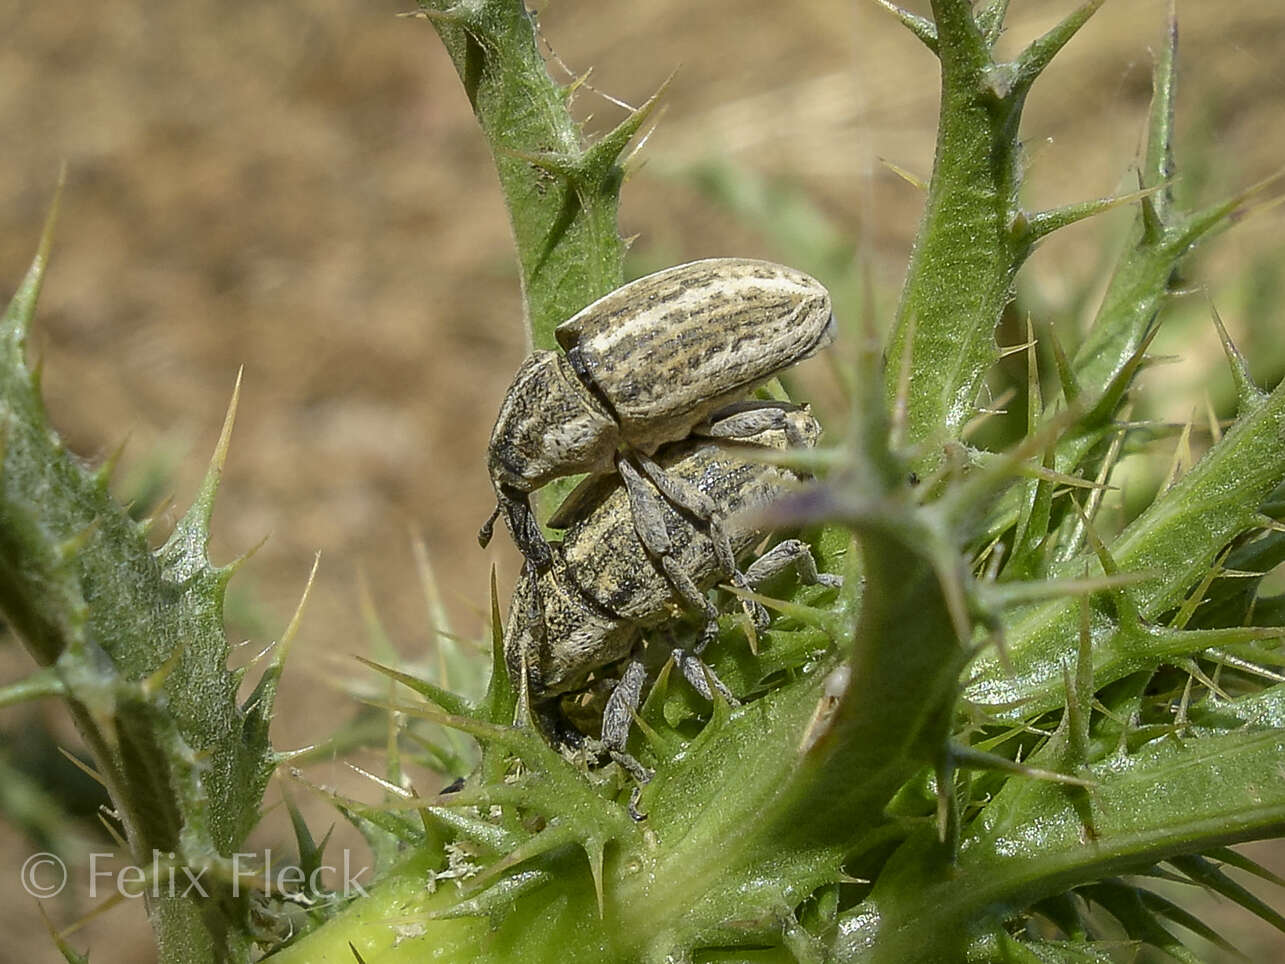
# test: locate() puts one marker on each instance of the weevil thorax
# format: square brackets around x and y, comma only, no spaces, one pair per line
[549,426]
[576,637]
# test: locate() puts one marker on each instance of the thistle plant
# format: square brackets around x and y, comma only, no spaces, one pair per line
[1022,709]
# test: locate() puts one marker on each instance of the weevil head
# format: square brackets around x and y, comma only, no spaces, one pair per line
[549,426]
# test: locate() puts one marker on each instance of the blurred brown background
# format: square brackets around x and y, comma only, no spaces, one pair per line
[299,188]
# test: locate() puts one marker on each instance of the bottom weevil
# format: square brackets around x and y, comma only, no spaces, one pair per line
[630,562]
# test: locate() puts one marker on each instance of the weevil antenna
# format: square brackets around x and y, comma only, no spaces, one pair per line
[488,528]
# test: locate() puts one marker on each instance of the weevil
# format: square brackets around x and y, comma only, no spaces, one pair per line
[645,365]
[627,564]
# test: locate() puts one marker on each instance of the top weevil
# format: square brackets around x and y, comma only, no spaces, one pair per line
[643,366]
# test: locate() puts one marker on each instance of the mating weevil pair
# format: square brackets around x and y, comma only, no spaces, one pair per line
[651,363]
[606,583]
[645,365]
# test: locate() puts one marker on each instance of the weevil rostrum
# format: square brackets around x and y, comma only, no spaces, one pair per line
[643,366]
[612,576]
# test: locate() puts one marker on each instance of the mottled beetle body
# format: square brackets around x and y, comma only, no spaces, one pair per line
[630,560]
[644,365]
[605,586]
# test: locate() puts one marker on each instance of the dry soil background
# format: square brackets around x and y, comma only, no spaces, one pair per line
[298,188]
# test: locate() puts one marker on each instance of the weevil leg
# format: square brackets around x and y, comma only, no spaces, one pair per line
[743,420]
[523,526]
[488,528]
[648,515]
[690,499]
[787,553]
[617,719]
[697,672]
[649,523]
[681,493]
[694,598]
